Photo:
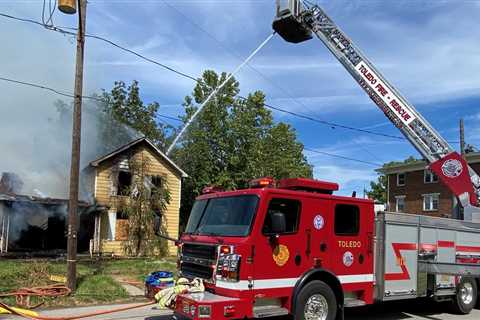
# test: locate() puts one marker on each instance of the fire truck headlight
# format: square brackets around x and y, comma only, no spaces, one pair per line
[228,267]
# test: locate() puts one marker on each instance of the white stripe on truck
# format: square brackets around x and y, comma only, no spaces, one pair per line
[286,282]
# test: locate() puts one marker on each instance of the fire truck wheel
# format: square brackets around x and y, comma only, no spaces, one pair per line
[316,301]
[466,297]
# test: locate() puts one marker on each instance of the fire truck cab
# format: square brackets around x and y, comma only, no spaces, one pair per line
[293,247]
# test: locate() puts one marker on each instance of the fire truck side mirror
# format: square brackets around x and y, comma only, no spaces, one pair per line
[279,223]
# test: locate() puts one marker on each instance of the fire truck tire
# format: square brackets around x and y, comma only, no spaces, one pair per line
[466,297]
[316,301]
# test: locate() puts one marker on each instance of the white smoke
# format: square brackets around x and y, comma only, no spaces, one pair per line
[36,144]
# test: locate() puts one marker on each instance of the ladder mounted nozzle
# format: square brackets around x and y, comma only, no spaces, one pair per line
[287,22]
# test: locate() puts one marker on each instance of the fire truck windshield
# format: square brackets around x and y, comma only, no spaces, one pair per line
[227,216]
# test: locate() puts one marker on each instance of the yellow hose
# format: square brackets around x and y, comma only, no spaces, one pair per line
[24,311]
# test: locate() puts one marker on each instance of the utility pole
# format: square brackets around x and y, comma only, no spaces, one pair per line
[75,162]
[462,137]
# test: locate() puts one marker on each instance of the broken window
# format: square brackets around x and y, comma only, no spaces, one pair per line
[124,182]
[157,181]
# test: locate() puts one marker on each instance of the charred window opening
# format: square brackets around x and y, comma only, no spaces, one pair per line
[157,182]
[122,215]
[124,182]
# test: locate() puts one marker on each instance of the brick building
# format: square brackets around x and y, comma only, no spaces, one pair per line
[414,189]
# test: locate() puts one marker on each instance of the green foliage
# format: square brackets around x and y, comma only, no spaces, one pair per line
[378,189]
[143,203]
[96,279]
[409,160]
[125,105]
[233,141]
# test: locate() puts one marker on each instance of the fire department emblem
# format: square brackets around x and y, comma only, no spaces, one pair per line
[452,168]
[281,255]
[348,259]
[318,222]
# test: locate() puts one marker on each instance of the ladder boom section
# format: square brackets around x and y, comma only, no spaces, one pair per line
[443,159]
[404,115]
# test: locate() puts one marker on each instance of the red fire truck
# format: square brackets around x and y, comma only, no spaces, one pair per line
[293,247]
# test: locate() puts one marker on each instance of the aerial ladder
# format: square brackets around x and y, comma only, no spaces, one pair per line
[296,21]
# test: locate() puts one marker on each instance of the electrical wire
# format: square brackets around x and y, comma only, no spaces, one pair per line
[185,75]
[38,86]
[161,115]
[343,157]
[69,95]
[263,76]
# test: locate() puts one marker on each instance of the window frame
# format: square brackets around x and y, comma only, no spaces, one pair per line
[400,197]
[121,192]
[359,221]
[431,174]
[404,179]
[299,212]
[431,195]
[254,217]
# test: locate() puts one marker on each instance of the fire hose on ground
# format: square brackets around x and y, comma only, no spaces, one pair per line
[165,297]
[22,297]
[30,315]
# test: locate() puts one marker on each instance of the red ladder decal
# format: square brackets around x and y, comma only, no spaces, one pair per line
[404,275]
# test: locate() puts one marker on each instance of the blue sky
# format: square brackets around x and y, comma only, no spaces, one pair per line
[428,49]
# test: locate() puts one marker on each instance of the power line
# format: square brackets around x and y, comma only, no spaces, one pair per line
[169,117]
[343,157]
[164,116]
[38,86]
[263,76]
[185,75]
[69,95]
[331,124]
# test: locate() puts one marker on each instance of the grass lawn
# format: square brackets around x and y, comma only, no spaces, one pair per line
[98,281]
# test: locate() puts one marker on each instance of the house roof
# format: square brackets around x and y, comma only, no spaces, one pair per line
[473,157]
[11,197]
[134,143]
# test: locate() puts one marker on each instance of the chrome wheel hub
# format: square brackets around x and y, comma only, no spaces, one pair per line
[316,308]
[466,293]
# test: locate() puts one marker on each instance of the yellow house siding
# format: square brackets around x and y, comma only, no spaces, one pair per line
[157,166]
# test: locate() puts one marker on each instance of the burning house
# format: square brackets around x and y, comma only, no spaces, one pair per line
[37,223]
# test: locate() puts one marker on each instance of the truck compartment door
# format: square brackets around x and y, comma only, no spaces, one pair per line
[401,254]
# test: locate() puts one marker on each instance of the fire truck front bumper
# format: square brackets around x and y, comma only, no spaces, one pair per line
[206,305]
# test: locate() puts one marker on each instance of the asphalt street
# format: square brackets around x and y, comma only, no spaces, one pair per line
[419,309]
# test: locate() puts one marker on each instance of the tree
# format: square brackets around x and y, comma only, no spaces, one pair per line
[233,141]
[125,105]
[378,189]
[144,205]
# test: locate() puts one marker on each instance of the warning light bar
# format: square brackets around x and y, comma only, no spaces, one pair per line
[212,189]
[309,185]
[262,183]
